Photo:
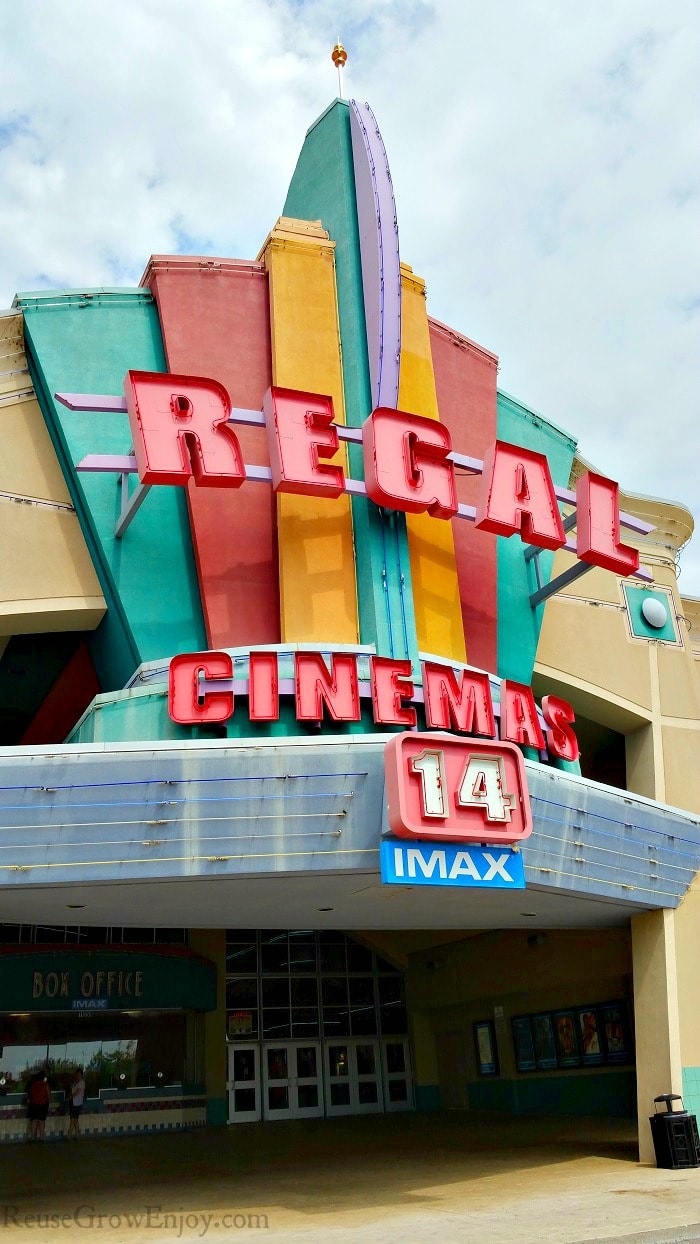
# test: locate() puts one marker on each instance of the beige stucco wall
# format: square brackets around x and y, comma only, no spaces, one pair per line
[642,688]
[650,693]
[453,979]
[211,943]
[56,589]
[656,1015]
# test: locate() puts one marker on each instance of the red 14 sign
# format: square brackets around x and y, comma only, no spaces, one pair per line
[456,790]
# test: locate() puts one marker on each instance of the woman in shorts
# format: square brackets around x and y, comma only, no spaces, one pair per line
[75,1105]
[38,1101]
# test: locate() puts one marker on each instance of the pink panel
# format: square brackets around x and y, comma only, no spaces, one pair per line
[214,315]
[465,381]
[72,692]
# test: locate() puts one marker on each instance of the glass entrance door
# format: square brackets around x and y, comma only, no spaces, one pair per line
[353,1077]
[292,1080]
[243,1084]
[396,1066]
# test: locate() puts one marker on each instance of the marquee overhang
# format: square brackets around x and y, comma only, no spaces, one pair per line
[224,832]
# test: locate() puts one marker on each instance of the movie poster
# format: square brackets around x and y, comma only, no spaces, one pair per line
[565,1039]
[486,1054]
[543,1037]
[524,1044]
[616,1032]
[589,1036]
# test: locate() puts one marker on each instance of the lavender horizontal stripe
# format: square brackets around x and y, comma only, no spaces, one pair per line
[101,402]
[356,487]
[286,687]
[258,474]
[469,464]
[120,464]
[466,511]
[255,418]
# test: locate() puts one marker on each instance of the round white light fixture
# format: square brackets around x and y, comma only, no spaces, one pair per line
[654,612]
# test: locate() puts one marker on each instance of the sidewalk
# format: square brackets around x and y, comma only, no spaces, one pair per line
[414,1179]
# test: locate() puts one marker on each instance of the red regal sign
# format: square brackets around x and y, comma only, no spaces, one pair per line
[456,790]
[182,430]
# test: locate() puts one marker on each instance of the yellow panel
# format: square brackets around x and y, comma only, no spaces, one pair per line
[318,597]
[431,545]
[29,466]
[56,589]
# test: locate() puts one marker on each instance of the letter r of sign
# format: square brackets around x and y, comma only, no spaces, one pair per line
[181,430]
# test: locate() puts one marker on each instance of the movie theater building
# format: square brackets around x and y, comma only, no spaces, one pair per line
[350,719]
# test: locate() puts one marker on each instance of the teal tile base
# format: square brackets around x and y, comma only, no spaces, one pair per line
[427,1097]
[217,1111]
[612,1094]
[691,1089]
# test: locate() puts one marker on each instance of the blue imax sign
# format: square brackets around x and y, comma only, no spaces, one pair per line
[428,863]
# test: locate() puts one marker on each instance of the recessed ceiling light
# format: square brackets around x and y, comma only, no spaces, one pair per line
[325,909]
[76,906]
[528,913]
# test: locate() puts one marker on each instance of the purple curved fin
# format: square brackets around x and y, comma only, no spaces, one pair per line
[379,254]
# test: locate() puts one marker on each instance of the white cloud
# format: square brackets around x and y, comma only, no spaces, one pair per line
[544,157]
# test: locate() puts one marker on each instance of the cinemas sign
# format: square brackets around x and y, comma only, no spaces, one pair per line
[202,689]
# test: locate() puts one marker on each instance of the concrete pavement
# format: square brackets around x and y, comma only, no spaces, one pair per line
[457,1177]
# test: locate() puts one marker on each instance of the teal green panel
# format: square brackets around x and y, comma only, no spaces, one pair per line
[82,342]
[492,1094]
[606,1093]
[323,188]
[141,715]
[567,766]
[635,597]
[135,716]
[427,1097]
[691,1090]
[519,624]
[217,1111]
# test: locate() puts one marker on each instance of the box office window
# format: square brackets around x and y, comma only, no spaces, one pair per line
[117,1050]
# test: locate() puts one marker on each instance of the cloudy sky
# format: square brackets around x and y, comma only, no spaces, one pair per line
[545,159]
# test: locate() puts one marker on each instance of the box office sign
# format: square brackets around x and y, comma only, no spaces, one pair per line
[68,980]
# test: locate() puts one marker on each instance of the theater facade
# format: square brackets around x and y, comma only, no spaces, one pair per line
[349,718]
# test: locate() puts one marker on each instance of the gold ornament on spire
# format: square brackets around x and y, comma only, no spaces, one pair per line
[339,56]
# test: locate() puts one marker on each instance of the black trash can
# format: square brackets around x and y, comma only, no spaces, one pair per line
[675,1135]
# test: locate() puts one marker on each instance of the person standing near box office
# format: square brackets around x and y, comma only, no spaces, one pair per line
[75,1105]
[38,1101]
